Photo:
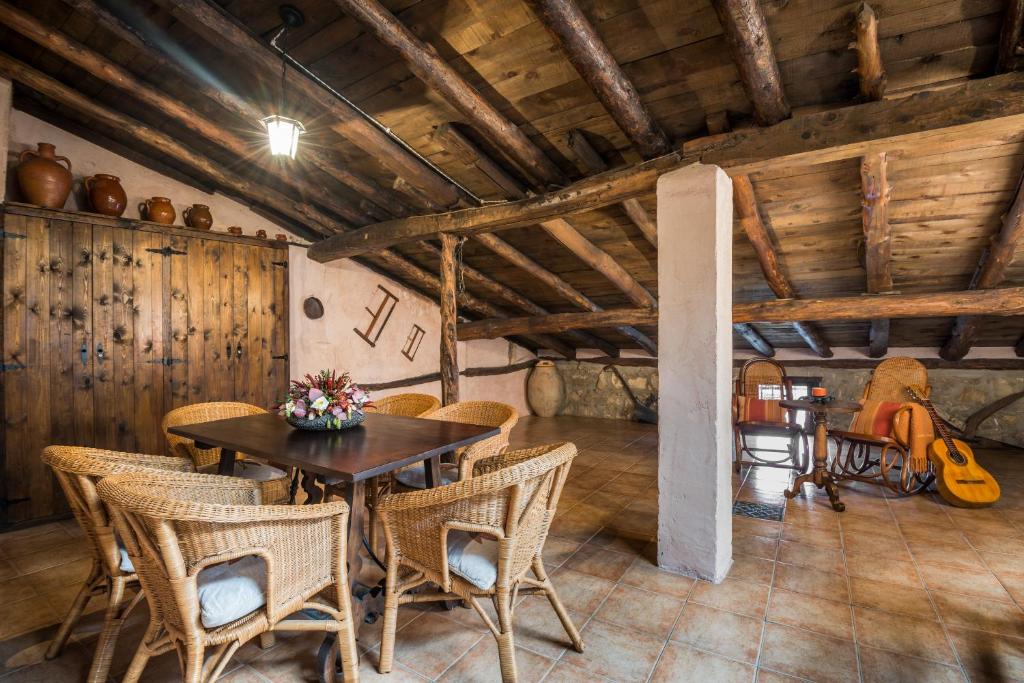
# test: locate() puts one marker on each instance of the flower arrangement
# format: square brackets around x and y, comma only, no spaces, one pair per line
[325,401]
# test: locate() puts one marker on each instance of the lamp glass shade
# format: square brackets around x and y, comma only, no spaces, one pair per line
[283,134]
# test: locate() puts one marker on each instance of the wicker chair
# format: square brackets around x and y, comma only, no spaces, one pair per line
[181,531]
[275,482]
[756,415]
[486,413]
[407,405]
[876,458]
[78,470]
[511,499]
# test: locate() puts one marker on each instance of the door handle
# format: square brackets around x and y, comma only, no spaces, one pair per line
[83,353]
[227,352]
[238,350]
[99,352]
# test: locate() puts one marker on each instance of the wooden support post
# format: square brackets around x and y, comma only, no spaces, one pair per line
[875,194]
[870,70]
[449,320]
[752,51]
[1010,36]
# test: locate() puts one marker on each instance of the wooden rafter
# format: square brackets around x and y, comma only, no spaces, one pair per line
[875,193]
[870,70]
[449,320]
[757,232]
[1011,36]
[597,66]
[752,51]
[1001,302]
[990,273]
[754,338]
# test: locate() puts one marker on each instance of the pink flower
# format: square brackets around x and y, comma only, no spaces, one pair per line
[314,394]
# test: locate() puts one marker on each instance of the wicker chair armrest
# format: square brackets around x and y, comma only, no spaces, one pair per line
[509,458]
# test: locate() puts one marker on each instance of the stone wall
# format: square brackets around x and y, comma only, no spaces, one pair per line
[592,391]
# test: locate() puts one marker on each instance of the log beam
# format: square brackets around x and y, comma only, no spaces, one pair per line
[597,66]
[991,272]
[875,194]
[449,320]
[1010,36]
[870,71]
[223,32]
[757,232]
[1000,302]
[751,45]
[754,338]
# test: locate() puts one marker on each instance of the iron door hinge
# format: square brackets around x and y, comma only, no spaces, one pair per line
[12,366]
[11,235]
[282,264]
[283,356]
[167,251]
[168,361]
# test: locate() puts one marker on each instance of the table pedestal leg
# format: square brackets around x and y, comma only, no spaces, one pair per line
[226,467]
[432,471]
[819,476]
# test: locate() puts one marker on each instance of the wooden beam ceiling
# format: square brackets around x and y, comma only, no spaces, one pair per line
[875,193]
[870,71]
[1001,302]
[1011,36]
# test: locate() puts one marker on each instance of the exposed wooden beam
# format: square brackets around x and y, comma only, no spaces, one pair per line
[757,232]
[870,70]
[754,338]
[465,150]
[449,320]
[594,163]
[752,51]
[1010,36]
[597,66]
[1001,302]
[990,273]
[223,32]
[875,194]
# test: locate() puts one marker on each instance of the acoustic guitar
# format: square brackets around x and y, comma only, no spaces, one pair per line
[961,480]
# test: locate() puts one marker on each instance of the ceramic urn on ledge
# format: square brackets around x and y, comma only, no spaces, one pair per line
[545,390]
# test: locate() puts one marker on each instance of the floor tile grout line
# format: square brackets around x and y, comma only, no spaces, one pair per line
[675,624]
[771,586]
[849,594]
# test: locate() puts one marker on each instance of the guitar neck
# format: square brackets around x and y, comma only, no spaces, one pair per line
[940,426]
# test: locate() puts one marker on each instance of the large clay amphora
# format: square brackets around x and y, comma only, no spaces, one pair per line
[158,210]
[545,390]
[106,196]
[199,216]
[41,177]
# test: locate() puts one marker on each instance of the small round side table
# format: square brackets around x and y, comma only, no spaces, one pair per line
[819,475]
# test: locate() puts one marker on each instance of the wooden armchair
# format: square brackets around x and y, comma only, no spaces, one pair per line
[78,470]
[477,538]
[408,405]
[275,482]
[219,569]
[761,385]
[871,450]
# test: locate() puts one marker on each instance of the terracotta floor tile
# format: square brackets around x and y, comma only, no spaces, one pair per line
[564,672]
[965,581]
[34,562]
[431,643]
[808,655]
[892,597]
[620,541]
[750,526]
[903,634]
[870,566]
[16,588]
[750,568]
[888,546]
[47,537]
[681,663]
[824,559]
[826,538]
[758,546]
[481,665]
[879,666]
[732,595]
[538,629]
[644,574]
[996,543]
[954,556]
[731,635]
[766,676]
[812,613]
[598,561]
[989,657]
[868,525]
[980,613]
[581,592]
[615,652]
[25,615]
[811,581]
[1001,563]
[653,613]
[557,551]
[812,518]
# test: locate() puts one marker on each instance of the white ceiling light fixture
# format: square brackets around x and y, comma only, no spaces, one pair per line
[283,131]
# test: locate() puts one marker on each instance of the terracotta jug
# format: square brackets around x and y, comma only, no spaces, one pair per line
[158,210]
[262,234]
[42,179]
[545,390]
[106,196]
[199,216]
[235,230]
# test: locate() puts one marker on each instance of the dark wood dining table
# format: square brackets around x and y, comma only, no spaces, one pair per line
[382,444]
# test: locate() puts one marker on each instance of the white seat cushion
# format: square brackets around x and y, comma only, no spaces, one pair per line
[256,471]
[474,558]
[415,478]
[231,590]
[126,562]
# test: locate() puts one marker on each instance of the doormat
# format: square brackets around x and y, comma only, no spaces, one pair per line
[772,513]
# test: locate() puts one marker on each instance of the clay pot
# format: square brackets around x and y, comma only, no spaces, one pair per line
[545,390]
[106,196]
[235,230]
[42,178]
[158,210]
[262,234]
[281,237]
[199,216]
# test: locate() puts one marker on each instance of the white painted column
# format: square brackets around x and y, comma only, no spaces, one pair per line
[5,132]
[695,371]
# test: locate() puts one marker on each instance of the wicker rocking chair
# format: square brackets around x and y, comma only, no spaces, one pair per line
[863,452]
[757,415]
[433,536]
[218,568]
[78,470]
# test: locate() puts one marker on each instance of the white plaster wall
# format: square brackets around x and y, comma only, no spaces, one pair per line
[139,182]
[346,290]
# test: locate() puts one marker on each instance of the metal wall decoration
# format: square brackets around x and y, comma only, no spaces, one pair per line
[379,318]
[412,343]
[313,308]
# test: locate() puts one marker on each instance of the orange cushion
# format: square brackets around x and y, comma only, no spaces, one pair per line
[759,410]
[876,418]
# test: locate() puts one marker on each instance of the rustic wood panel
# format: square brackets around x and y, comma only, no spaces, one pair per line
[82,310]
[176,294]
[38,359]
[149,282]
[16,382]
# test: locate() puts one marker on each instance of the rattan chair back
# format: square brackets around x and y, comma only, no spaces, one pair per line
[763,372]
[406,405]
[891,378]
[198,413]
[484,413]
